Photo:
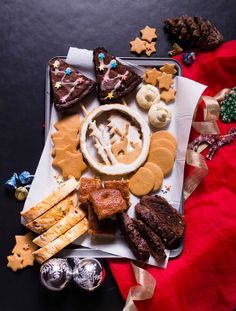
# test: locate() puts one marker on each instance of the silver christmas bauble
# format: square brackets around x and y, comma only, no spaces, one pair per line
[55,274]
[88,274]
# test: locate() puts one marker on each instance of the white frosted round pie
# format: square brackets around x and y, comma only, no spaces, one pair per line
[121,141]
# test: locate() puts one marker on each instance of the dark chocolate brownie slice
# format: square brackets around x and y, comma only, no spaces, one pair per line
[156,246]
[68,84]
[133,237]
[167,214]
[114,79]
[149,217]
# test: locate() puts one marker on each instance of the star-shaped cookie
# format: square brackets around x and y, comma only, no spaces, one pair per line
[70,122]
[65,140]
[14,262]
[150,48]
[169,68]
[24,243]
[71,132]
[72,165]
[28,258]
[60,154]
[151,76]
[169,95]
[137,45]
[148,33]
[165,81]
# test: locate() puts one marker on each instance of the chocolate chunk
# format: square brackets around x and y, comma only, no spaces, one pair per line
[114,79]
[68,84]
[154,242]
[136,242]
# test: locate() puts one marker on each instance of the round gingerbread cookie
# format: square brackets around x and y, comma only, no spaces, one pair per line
[163,142]
[164,134]
[156,170]
[142,182]
[162,157]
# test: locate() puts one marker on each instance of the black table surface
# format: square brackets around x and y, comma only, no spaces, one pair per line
[31,32]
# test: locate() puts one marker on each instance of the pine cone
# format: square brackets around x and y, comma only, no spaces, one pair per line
[194,32]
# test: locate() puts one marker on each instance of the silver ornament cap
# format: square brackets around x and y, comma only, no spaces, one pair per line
[55,274]
[88,273]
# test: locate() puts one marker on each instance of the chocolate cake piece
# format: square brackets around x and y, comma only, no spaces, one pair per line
[107,202]
[68,84]
[133,237]
[121,185]
[114,79]
[105,227]
[154,242]
[166,213]
[88,185]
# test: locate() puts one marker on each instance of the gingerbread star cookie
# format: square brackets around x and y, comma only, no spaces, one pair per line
[151,76]
[165,81]
[60,154]
[15,262]
[72,165]
[169,68]
[150,48]
[169,95]
[137,45]
[22,252]
[69,123]
[148,33]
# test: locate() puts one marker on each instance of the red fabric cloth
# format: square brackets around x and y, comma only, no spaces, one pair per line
[203,278]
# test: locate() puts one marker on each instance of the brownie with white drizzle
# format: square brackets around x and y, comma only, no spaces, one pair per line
[115,80]
[68,84]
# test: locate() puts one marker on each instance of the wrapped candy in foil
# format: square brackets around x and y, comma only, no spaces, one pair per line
[88,274]
[21,193]
[11,184]
[26,178]
[55,274]
[189,58]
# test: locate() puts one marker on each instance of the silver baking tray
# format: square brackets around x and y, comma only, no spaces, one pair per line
[80,251]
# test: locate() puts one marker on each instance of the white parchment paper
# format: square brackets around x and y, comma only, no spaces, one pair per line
[188,93]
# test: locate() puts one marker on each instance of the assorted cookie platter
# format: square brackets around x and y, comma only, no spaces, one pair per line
[116,155]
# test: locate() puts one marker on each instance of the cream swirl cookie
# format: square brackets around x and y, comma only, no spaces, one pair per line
[147,96]
[159,115]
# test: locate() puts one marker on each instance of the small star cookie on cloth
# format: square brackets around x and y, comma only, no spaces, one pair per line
[150,48]
[15,262]
[148,33]
[22,252]
[137,45]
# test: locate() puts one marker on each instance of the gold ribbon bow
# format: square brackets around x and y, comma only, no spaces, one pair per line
[211,113]
[140,292]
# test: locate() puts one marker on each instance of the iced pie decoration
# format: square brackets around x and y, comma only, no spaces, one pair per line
[115,80]
[68,84]
[114,139]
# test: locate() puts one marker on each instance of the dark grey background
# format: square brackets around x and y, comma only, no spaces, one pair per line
[31,32]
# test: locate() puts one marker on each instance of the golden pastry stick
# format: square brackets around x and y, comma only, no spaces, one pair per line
[59,194]
[72,218]
[56,213]
[65,239]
